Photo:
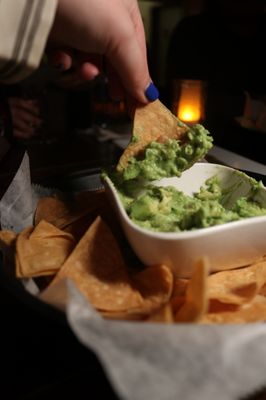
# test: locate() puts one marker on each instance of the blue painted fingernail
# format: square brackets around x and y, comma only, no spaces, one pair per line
[152,92]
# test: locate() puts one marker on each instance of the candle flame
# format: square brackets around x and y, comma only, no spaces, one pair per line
[190,102]
[189,113]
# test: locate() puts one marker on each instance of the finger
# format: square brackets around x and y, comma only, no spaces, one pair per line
[136,18]
[61,59]
[131,65]
[90,65]
[88,71]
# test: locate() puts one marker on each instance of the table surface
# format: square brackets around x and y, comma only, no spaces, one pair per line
[42,358]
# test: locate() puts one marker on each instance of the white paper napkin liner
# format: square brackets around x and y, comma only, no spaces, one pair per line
[182,361]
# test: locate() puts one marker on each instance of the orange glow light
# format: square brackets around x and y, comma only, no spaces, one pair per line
[190,102]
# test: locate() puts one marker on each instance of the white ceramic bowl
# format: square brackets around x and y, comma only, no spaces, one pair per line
[227,246]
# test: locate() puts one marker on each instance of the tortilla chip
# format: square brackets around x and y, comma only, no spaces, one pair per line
[216,306]
[179,287]
[7,239]
[262,291]
[128,315]
[97,268]
[78,227]
[179,294]
[63,212]
[152,122]
[155,284]
[196,302]
[237,286]
[76,214]
[50,209]
[255,311]
[95,204]
[41,250]
[164,315]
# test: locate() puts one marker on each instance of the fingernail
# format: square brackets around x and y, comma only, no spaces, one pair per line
[152,92]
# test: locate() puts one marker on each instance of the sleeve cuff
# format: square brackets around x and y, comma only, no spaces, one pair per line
[25,27]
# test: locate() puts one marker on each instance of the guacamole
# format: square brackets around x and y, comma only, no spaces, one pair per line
[166,209]
[170,158]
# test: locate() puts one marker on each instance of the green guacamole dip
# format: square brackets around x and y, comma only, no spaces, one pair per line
[170,158]
[166,209]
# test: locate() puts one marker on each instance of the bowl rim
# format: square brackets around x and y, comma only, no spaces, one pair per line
[183,234]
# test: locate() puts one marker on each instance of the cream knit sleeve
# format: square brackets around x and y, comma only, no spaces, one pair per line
[24,28]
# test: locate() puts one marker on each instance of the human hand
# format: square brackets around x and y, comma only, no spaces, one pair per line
[71,80]
[25,116]
[91,29]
